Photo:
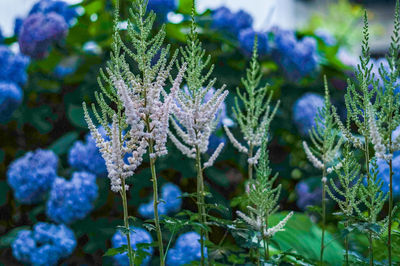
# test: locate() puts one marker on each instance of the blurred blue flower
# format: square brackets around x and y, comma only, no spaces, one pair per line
[306,196]
[10,99]
[138,235]
[214,141]
[224,19]
[187,249]
[12,66]
[384,176]
[171,201]
[39,31]
[347,58]
[72,200]
[305,110]
[246,41]
[377,63]
[325,36]
[17,25]
[87,157]
[298,58]
[66,67]
[44,245]
[1,36]
[32,175]
[61,8]
[162,7]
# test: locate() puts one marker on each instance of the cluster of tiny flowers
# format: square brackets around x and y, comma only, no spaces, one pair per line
[48,22]
[187,249]
[46,244]
[87,157]
[298,58]
[32,175]
[12,75]
[137,236]
[195,118]
[306,196]
[376,139]
[239,24]
[72,200]
[162,7]
[305,109]
[170,202]
[384,175]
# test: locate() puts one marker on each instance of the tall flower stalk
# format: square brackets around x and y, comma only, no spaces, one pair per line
[195,118]
[143,105]
[263,202]
[326,144]
[256,113]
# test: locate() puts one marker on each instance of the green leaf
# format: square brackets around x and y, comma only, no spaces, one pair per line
[76,116]
[62,145]
[115,251]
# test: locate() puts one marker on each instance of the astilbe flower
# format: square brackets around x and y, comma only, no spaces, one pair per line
[32,175]
[298,58]
[246,41]
[72,200]
[305,110]
[138,236]
[39,31]
[46,244]
[224,19]
[10,99]
[258,114]
[171,201]
[87,157]
[187,249]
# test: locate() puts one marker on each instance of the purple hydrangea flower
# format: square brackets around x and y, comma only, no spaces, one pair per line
[87,157]
[12,66]
[171,202]
[10,99]
[32,175]
[246,41]
[224,19]
[17,25]
[162,7]
[298,58]
[305,110]
[187,249]
[306,196]
[39,31]
[46,244]
[59,7]
[72,200]
[138,235]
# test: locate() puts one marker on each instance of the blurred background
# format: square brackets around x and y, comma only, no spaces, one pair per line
[49,66]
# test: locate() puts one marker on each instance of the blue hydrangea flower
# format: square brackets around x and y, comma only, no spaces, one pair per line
[224,19]
[59,7]
[171,202]
[187,249]
[347,58]
[246,41]
[32,175]
[297,58]
[72,200]
[214,141]
[1,36]
[12,66]
[326,37]
[384,176]
[307,196]
[10,99]
[305,110]
[39,31]
[375,70]
[162,7]
[17,25]
[46,244]
[138,236]
[87,157]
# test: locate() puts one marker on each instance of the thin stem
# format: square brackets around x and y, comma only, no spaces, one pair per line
[266,241]
[126,222]
[390,211]
[346,244]
[155,203]
[250,166]
[200,203]
[323,216]
[258,252]
[370,248]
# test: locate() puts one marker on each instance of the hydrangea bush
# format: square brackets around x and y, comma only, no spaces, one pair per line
[223,144]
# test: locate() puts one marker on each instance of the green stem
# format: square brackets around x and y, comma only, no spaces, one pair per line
[321,258]
[390,211]
[258,253]
[201,203]
[155,203]
[370,248]
[126,222]
[346,244]
[250,166]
